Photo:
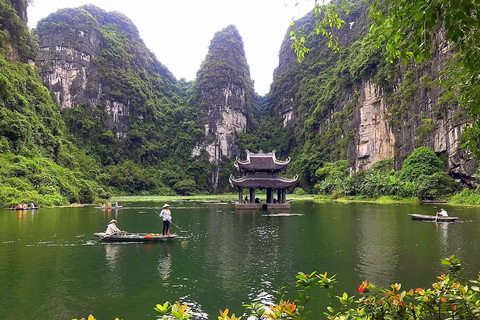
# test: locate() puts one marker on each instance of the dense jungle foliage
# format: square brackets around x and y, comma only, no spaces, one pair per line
[154,156]
[52,156]
[37,162]
[325,88]
[422,176]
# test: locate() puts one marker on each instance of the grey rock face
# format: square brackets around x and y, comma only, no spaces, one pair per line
[377,132]
[223,95]
[68,69]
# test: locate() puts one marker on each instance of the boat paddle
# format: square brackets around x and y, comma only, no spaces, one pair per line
[174,224]
[178,227]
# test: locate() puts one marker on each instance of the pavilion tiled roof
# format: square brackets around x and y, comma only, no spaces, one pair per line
[261,162]
[262,171]
[262,182]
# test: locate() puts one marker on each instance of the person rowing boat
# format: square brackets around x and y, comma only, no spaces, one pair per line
[112,227]
[442,214]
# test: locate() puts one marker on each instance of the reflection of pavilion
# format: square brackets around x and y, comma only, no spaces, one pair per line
[262,172]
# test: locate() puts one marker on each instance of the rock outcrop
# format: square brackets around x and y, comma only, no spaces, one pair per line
[377,121]
[87,57]
[223,95]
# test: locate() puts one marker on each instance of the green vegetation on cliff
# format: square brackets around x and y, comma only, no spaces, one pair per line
[324,92]
[37,162]
[153,157]
[82,152]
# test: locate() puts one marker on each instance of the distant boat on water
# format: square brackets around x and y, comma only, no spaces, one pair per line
[425,217]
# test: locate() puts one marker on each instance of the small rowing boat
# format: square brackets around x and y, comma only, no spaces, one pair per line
[113,207]
[425,217]
[28,208]
[134,237]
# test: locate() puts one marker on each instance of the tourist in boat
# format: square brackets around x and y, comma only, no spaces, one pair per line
[32,206]
[167,217]
[109,205]
[25,206]
[112,227]
[442,213]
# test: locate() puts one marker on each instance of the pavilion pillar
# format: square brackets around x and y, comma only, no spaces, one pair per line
[240,195]
[252,195]
[284,196]
[269,195]
[279,195]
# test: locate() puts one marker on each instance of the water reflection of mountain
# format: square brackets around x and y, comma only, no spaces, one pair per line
[377,246]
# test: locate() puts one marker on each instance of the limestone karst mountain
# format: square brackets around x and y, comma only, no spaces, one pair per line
[118,112]
[355,105]
[223,97]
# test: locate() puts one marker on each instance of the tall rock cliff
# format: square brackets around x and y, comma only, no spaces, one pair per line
[223,96]
[37,161]
[96,60]
[359,107]
[15,37]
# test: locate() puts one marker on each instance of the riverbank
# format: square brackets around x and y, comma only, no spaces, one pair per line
[464,198]
[234,198]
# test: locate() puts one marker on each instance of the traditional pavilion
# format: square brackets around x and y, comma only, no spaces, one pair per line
[262,172]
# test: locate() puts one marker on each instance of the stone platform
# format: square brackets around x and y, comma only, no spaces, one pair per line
[262,206]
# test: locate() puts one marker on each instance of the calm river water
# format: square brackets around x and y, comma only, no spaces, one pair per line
[52,267]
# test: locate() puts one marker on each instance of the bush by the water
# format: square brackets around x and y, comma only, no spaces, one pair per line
[299,192]
[467,196]
[421,176]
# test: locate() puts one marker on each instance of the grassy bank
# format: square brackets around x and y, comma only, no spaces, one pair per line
[204,198]
[234,198]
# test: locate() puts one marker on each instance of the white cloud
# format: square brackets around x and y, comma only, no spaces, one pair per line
[179,31]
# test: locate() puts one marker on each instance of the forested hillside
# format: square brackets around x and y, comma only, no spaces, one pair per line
[357,105]
[119,102]
[37,162]
[87,111]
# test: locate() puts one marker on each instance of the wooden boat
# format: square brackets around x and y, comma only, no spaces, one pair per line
[426,201]
[112,207]
[134,237]
[28,208]
[425,217]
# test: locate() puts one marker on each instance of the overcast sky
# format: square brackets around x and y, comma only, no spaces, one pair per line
[179,31]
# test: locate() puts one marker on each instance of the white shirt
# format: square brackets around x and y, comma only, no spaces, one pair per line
[166,215]
[112,228]
[443,213]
